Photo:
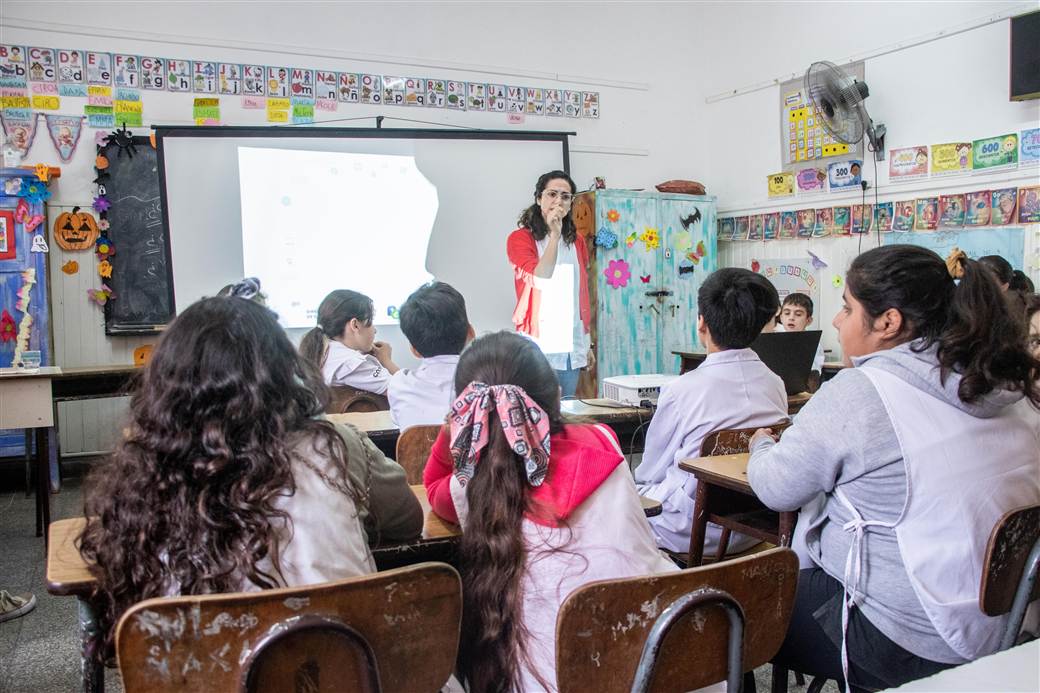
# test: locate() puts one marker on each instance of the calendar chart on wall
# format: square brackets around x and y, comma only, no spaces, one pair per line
[803,138]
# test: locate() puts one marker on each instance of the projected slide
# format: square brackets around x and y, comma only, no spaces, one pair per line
[316,221]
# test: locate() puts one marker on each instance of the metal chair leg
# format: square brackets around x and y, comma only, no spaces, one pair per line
[1021,602]
[28,462]
[671,615]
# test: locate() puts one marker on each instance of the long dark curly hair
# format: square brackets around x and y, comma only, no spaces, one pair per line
[492,551]
[531,218]
[186,502]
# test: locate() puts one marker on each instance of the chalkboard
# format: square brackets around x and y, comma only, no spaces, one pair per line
[141,278]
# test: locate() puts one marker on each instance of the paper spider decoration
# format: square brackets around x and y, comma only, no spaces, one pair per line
[124,140]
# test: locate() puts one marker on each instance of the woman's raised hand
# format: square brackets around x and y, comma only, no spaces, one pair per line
[554,220]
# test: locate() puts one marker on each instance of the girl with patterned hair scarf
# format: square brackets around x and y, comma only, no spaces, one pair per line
[545,508]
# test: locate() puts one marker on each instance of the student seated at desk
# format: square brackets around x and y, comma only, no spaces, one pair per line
[343,345]
[796,314]
[228,479]
[918,451]
[731,389]
[545,508]
[435,323]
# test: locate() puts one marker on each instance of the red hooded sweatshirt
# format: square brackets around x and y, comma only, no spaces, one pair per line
[580,460]
[523,256]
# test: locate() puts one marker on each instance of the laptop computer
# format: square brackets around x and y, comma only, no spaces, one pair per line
[789,355]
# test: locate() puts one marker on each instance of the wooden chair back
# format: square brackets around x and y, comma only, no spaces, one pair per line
[602,627]
[734,441]
[395,630]
[344,399]
[413,449]
[1006,553]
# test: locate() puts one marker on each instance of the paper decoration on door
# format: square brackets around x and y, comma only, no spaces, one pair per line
[927,218]
[1029,205]
[613,215]
[8,329]
[101,296]
[977,210]
[617,274]
[951,211]
[650,238]
[104,248]
[75,230]
[70,267]
[951,158]
[994,152]
[22,305]
[686,269]
[843,175]
[605,238]
[39,244]
[631,239]
[1004,202]
[907,163]
[645,278]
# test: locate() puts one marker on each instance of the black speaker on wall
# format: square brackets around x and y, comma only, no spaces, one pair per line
[1025,56]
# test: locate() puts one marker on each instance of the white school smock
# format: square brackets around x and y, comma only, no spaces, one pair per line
[422,396]
[605,538]
[730,389]
[963,473]
[346,366]
[559,312]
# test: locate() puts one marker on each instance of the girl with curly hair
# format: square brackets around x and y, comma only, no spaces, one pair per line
[228,479]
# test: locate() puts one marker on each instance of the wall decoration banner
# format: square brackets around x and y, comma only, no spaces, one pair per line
[953,157]
[1030,146]
[792,275]
[977,208]
[844,175]
[780,184]
[995,152]
[64,132]
[811,180]
[1029,205]
[907,163]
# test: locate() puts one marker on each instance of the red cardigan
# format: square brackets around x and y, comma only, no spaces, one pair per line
[523,256]
[581,459]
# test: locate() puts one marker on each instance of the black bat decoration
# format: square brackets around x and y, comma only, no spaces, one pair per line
[692,219]
[686,270]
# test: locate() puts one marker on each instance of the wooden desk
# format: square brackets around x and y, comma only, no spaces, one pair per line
[626,422]
[723,491]
[688,360]
[26,402]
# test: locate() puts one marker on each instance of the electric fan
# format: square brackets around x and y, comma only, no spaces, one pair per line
[838,99]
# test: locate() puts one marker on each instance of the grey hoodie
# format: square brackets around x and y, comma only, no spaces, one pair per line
[844,436]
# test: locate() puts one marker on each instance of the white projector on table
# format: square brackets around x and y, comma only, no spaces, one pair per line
[635,389]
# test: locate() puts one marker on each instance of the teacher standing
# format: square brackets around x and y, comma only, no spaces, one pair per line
[549,262]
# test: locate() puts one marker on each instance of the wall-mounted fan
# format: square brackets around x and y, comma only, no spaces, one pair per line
[838,98]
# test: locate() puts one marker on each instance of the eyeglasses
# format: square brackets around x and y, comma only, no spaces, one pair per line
[565,197]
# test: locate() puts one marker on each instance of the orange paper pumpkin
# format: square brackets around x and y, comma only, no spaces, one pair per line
[70,267]
[75,230]
[142,354]
[101,162]
[584,216]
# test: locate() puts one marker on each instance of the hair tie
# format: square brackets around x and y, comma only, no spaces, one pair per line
[955,262]
[524,423]
[246,288]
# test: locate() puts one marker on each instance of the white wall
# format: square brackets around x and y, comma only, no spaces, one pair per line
[650,129]
[951,89]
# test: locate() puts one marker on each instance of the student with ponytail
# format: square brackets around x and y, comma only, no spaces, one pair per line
[917,451]
[545,508]
[343,347]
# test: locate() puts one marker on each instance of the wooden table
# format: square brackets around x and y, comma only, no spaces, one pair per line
[26,402]
[724,494]
[626,421]
[691,359]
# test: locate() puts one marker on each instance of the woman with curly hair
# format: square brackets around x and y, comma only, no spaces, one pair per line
[228,479]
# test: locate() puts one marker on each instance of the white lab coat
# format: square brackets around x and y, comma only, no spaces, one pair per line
[346,366]
[730,389]
[422,396]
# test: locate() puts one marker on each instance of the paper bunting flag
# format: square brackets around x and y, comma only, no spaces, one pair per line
[20,130]
[64,132]
[617,273]
[8,330]
[650,238]
[605,238]
[101,296]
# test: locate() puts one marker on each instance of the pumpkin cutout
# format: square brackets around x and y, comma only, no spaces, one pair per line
[584,216]
[75,230]
[101,162]
[142,355]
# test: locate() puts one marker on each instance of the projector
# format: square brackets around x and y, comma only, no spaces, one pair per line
[635,389]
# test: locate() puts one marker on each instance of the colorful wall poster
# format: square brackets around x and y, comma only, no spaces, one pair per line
[71,69]
[927,214]
[824,222]
[792,275]
[806,223]
[203,77]
[977,208]
[254,82]
[952,157]
[951,211]
[843,175]
[883,212]
[755,231]
[1029,144]
[99,68]
[153,73]
[806,138]
[788,224]
[127,71]
[780,184]
[811,180]
[178,75]
[1029,205]
[726,229]
[861,218]
[740,228]
[994,152]
[842,221]
[905,215]
[907,163]
[771,226]
[1004,203]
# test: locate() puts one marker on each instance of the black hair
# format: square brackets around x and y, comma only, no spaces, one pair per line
[1000,267]
[336,310]
[1020,281]
[800,300]
[531,217]
[434,320]
[977,332]
[736,304]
